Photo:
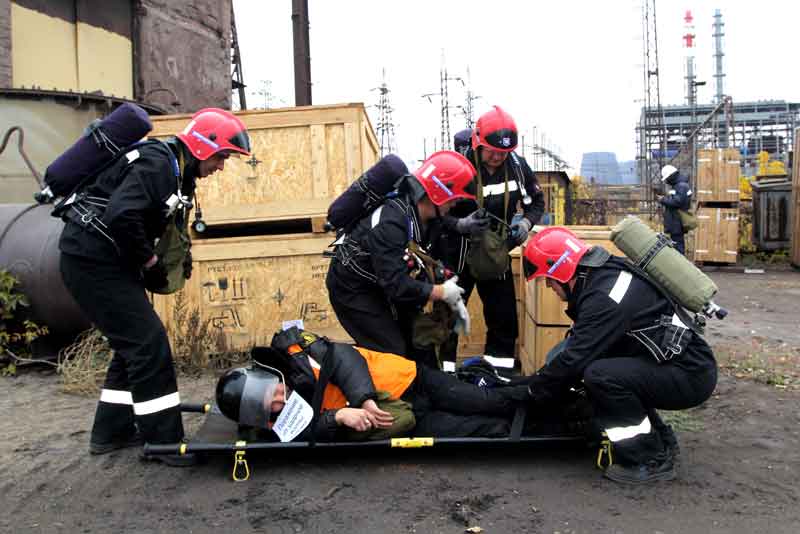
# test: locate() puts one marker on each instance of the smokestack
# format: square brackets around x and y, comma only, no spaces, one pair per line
[302,53]
[688,45]
[718,24]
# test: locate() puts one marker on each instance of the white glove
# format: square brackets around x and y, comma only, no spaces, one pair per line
[462,326]
[451,292]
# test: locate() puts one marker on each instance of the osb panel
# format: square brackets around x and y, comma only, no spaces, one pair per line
[706,175]
[718,173]
[337,160]
[247,299]
[717,234]
[299,154]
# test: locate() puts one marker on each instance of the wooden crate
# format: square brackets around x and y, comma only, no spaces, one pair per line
[542,303]
[716,238]
[474,343]
[796,200]
[538,340]
[718,173]
[248,286]
[303,158]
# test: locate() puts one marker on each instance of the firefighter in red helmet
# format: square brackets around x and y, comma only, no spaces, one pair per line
[628,348]
[378,281]
[481,233]
[108,260]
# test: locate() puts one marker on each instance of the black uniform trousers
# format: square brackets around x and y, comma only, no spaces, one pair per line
[626,391]
[680,242]
[499,311]
[374,323]
[444,406]
[140,384]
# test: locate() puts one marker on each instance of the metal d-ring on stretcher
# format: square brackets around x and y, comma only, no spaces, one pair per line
[218,434]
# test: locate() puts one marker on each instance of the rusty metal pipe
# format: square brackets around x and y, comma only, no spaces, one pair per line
[29,250]
[20,141]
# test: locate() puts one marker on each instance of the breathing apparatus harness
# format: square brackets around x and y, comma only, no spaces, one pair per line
[87,210]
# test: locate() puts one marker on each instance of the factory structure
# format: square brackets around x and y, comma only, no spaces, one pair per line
[673,133]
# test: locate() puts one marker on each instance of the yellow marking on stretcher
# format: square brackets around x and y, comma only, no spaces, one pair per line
[605,455]
[241,471]
[206,408]
[182,449]
[412,443]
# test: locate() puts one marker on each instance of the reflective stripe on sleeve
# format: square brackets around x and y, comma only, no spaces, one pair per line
[624,432]
[116,396]
[157,405]
[620,286]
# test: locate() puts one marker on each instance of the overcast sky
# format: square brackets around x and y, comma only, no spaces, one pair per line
[570,68]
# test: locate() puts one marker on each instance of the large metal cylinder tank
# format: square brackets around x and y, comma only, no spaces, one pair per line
[29,250]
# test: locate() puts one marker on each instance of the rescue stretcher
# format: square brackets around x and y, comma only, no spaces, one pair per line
[219,435]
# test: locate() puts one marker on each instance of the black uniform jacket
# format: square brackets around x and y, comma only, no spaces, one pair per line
[518,172]
[371,256]
[678,197]
[616,314]
[348,371]
[137,188]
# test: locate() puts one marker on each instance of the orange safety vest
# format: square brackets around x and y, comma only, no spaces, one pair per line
[390,373]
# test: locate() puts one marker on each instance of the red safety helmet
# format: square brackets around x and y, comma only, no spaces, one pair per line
[495,130]
[555,252]
[445,176]
[213,130]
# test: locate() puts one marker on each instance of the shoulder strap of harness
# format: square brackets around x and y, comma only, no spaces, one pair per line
[692,322]
[319,390]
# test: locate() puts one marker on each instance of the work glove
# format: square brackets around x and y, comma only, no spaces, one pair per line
[462,326]
[155,277]
[451,293]
[187,265]
[474,223]
[520,226]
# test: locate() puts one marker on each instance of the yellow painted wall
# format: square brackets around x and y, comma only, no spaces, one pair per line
[43,51]
[53,54]
[105,61]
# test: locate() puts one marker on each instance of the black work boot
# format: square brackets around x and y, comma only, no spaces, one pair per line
[660,468]
[121,442]
[668,437]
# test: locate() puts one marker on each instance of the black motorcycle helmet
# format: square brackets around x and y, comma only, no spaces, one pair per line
[245,395]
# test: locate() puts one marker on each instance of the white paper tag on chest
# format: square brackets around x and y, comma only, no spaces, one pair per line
[294,418]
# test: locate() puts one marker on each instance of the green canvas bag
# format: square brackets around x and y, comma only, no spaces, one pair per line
[688,220]
[488,257]
[404,421]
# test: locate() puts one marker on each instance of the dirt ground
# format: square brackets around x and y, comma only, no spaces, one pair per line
[739,469]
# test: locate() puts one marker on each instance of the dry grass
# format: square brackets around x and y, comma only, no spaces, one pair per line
[83,364]
[775,364]
[196,347]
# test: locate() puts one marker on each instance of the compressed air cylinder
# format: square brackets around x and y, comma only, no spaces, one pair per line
[371,187]
[687,284]
[124,126]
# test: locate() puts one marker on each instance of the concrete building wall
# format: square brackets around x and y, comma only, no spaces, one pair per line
[183,46]
[5,43]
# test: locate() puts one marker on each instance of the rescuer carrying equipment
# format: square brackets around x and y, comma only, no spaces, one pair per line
[651,253]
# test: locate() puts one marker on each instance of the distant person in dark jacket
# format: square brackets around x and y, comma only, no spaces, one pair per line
[678,196]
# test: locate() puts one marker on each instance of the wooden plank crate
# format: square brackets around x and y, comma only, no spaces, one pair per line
[303,158]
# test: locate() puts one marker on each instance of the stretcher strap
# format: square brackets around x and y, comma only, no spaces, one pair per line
[518,423]
[319,391]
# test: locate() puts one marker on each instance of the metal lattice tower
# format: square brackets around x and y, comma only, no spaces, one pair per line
[445,106]
[237,76]
[385,127]
[469,103]
[652,136]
